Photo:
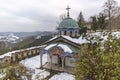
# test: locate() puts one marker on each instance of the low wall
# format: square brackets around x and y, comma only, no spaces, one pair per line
[18,56]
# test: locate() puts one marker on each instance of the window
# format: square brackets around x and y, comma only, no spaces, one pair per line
[65,32]
[76,33]
[70,33]
[60,33]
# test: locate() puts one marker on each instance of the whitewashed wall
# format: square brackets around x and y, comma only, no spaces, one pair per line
[54,59]
[48,58]
[70,62]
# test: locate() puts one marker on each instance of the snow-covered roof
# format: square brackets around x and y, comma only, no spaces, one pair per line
[79,40]
[63,46]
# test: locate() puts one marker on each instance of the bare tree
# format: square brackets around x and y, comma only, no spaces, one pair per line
[62,16]
[111,10]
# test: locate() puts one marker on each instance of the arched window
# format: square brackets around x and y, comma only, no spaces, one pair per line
[76,33]
[70,33]
[60,33]
[65,32]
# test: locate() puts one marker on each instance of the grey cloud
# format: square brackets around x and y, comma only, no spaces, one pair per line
[42,15]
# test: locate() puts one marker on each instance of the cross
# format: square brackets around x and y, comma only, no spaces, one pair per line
[68,10]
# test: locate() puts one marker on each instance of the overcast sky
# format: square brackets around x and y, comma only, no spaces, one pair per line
[42,15]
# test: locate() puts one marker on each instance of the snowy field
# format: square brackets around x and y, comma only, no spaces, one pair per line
[38,74]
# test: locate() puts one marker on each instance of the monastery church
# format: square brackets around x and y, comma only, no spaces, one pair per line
[63,49]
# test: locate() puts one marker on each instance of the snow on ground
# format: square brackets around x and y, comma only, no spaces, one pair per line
[2,75]
[104,35]
[33,64]
[38,74]
[63,76]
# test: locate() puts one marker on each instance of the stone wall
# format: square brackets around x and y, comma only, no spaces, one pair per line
[18,56]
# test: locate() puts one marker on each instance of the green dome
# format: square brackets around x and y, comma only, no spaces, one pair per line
[68,23]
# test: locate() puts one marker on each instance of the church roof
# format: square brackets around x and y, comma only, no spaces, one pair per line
[68,23]
[66,39]
[64,46]
[78,41]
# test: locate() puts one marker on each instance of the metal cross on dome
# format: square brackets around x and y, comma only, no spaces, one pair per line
[68,8]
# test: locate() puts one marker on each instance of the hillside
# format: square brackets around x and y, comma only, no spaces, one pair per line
[31,41]
[19,40]
[3,47]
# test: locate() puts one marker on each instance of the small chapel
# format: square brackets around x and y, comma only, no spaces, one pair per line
[63,49]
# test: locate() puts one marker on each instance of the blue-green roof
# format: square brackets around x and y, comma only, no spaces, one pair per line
[68,23]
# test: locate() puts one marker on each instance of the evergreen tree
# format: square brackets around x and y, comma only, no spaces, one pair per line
[62,17]
[99,61]
[94,23]
[83,31]
[81,21]
[17,72]
[102,22]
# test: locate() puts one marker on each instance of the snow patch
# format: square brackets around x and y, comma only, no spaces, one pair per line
[33,64]
[40,74]
[2,75]
[63,76]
